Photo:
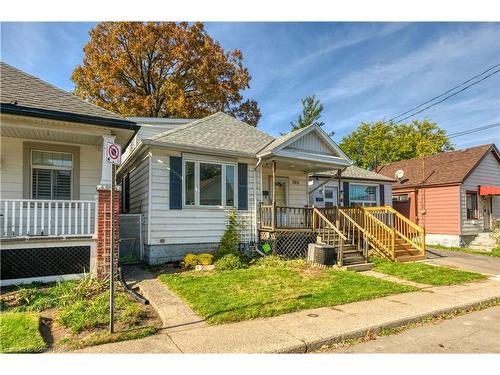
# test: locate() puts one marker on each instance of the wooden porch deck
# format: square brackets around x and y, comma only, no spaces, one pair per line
[352,230]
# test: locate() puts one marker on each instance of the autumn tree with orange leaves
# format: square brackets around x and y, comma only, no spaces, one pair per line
[162,69]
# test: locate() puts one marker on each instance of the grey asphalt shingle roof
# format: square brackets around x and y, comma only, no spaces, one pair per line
[25,90]
[218,132]
[356,173]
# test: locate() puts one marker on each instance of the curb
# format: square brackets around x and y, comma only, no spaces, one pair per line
[313,345]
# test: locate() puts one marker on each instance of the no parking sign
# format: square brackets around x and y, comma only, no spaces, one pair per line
[114,153]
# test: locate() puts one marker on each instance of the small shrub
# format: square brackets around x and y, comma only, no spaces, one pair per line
[231,238]
[190,261]
[229,262]
[205,259]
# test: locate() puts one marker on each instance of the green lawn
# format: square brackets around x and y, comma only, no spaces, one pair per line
[424,273]
[80,311]
[19,333]
[231,296]
[493,253]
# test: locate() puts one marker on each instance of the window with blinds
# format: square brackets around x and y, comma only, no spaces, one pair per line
[51,175]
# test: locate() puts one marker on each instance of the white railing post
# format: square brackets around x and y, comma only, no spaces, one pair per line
[76,218]
[42,225]
[82,218]
[69,217]
[13,221]
[50,219]
[35,223]
[21,218]
[28,219]
[5,217]
[56,213]
[63,222]
[89,206]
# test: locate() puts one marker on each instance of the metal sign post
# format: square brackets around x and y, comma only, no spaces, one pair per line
[112,258]
[113,156]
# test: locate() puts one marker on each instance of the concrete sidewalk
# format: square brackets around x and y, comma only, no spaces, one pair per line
[308,330]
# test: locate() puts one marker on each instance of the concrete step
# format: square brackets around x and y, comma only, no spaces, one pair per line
[359,267]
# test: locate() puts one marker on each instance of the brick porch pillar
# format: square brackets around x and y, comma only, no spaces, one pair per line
[102,268]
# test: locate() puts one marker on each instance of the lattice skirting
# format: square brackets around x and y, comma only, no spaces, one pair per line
[289,244]
[38,262]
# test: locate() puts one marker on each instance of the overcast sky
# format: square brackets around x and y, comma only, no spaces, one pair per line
[360,71]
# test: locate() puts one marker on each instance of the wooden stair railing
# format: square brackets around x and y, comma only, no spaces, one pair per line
[406,231]
[327,230]
[381,237]
[354,232]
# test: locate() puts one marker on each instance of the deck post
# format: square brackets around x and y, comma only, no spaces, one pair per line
[339,181]
[273,218]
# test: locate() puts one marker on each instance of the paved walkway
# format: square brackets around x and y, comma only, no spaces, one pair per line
[301,331]
[468,262]
[477,332]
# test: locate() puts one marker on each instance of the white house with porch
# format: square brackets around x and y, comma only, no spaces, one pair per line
[55,183]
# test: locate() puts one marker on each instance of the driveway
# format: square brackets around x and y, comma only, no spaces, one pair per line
[476,332]
[464,261]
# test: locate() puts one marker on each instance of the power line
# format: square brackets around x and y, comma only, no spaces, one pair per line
[473,130]
[444,93]
[449,96]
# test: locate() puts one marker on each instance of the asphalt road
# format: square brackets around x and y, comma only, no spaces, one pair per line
[467,262]
[477,332]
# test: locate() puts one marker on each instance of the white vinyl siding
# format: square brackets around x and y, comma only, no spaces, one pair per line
[297,194]
[11,186]
[311,143]
[190,224]
[486,173]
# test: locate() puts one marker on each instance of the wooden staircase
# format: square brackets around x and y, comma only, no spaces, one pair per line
[390,234]
[354,231]
[350,254]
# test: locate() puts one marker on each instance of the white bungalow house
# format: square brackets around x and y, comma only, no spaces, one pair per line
[54,189]
[184,181]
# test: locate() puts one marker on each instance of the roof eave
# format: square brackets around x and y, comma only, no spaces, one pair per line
[204,150]
[68,116]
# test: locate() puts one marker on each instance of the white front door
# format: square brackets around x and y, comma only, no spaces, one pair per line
[330,196]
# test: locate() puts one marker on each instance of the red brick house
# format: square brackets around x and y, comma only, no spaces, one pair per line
[455,195]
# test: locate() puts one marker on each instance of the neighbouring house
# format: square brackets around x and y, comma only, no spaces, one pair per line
[454,195]
[183,182]
[358,187]
[55,181]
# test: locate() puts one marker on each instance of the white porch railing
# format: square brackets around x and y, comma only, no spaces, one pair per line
[48,218]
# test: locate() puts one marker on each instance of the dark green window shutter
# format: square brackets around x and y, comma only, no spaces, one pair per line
[175,183]
[242,186]
[382,197]
[346,194]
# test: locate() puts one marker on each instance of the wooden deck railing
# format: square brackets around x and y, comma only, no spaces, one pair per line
[284,217]
[381,228]
[405,229]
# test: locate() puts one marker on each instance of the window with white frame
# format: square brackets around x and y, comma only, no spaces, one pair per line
[362,195]
[209,184]
[51,175]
